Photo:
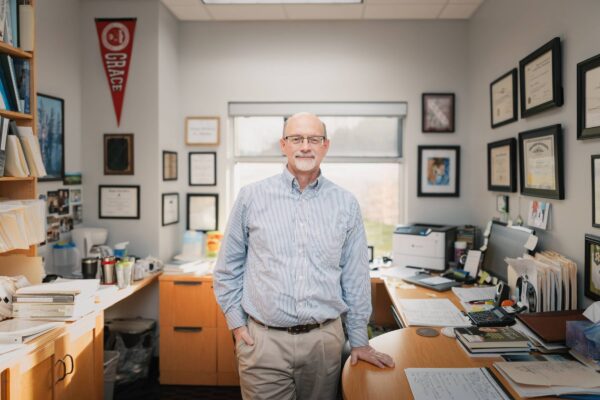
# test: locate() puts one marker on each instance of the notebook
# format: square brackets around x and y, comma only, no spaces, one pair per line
[551,326]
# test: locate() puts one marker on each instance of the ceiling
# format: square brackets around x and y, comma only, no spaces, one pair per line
[195,10]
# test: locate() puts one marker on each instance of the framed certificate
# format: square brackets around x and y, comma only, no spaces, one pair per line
[588,98]
[438,171]
[541,162]
[170,208]
[541,79]
[503,99]
[437,112]
[202,212]
[169,165]
[502,171]
[596,191]
[202,131]
[202,169]
[119,202]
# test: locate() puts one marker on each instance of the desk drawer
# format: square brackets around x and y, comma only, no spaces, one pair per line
[187,303]
[188,350]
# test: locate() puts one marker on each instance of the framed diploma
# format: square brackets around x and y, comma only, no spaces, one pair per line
[119,202]
[588,98]
[438,171]
[169,165]
[592,267]
[596,191]
[202,169]
[202,131]
[202,212]
[503,99]
[502,171]
[541,79]
[437,112]
[170,208]
[541,162]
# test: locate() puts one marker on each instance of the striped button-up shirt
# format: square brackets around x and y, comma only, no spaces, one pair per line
[292,257]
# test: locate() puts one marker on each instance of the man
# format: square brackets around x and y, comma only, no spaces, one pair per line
[293,260]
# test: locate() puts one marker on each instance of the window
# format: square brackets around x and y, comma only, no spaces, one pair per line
[365,155]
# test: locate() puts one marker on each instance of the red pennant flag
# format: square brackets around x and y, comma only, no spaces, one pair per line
[116,42]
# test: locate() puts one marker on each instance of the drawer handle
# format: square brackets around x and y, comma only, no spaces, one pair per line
[64,370]
[68,356]
[187,329]
[188,283]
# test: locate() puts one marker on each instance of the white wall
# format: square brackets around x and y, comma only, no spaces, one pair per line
[495,47]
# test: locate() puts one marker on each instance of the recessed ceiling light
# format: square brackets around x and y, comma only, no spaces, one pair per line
[282,1]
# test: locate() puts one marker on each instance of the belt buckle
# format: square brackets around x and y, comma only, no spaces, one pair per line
[298,329]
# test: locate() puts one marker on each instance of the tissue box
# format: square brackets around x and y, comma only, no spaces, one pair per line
[577,341]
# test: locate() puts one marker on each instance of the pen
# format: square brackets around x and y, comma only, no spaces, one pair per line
[482,302]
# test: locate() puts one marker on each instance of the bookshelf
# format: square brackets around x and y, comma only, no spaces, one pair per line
[22,188]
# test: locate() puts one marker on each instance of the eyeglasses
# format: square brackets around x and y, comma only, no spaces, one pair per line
[299,139]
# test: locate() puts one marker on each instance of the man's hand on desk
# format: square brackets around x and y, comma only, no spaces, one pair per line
[370,355]
[242,333]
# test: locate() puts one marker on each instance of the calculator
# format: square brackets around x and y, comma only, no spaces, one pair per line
[494,317]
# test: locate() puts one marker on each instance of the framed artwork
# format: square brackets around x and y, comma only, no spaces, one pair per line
[502,165]
[437,112]
[541,79]
[118,154]
[541,162]
[588,98]
[538,214]
[170,166]
[51,134]
[595,191]
[438,171]
[72,178]
[170,208]
[202,131]
[202,212]
[202,169]
[592,267]
[502,203]
[119,202]
[503,99]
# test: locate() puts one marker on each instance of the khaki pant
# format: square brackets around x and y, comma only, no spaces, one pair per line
[282,366]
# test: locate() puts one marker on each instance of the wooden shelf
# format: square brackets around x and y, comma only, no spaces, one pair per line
[13,51]
[110,297]
[15,179]
[16,115]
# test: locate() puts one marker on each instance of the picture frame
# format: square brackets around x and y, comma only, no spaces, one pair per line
[75,196]
[538,214]
[541,162]
[502,203]
[119,201]
[170,208]
[437,112]
[438,171]
[588,98]
[170,166]
[202,212]
[540,78]
[118,154]
[592,267]
[51,135]
[502,165]
[503,99]
[202,131]
[202,169]
[596,191]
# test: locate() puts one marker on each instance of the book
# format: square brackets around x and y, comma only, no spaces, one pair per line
[492,352]
[22,331]
[85,287]
[15,163]
[3,136]
[10,81]
[551,326]
[31,148]
[491,337]
[23,75]
[42,298]
[80,308]
[26,23]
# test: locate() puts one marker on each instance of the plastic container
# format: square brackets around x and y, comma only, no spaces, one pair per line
[111,361]
[460,249]
[66,260]
[124,269]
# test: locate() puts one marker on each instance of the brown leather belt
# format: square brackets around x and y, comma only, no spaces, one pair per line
[294,330]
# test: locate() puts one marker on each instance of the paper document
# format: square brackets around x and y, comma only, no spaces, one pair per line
[436,280]
[467,295]
[397,272]
[453,383]
[431,312]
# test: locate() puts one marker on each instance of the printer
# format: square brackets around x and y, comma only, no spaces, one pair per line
[424,246]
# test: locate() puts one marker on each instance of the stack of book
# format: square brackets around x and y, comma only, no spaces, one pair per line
[489,342]
[22,224]
[59,300]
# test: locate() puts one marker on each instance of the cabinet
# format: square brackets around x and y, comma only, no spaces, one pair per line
[196,347]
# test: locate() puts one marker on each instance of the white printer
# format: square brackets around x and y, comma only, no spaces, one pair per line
[423,246]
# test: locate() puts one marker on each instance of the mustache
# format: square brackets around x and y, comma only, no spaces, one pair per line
[300,153]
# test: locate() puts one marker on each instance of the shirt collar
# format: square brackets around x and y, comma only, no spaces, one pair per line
[291,181]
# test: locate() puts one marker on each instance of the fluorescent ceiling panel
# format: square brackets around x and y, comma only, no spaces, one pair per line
[282,1]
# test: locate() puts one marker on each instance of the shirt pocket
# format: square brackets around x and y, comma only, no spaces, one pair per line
[331,241]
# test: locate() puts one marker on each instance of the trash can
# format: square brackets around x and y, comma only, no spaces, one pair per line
[135,340]
[111,360]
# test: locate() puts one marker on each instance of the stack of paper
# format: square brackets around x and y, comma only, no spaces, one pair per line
[197,267]
[22,331]
[431,312]
[22,224]
[31,148]
[23,154]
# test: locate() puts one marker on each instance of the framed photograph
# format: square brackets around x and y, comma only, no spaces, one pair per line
[73,178]
[502,165]
[202,212]
[51,134]
[52,202]
[592,267]
[588,98]
[202,169]
[75,196]
[77,214]
[503,99]
[541,79]
[438,171]
[541,162]
[170,166]
[502,203]
[119,202]
[438,112]
[202,131]
[170,208]
[118,154]
[538,214]
[63,201]
[595,191]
